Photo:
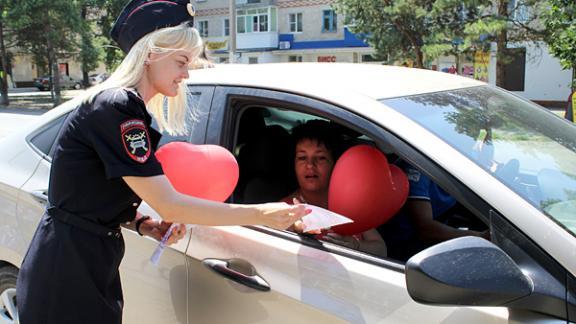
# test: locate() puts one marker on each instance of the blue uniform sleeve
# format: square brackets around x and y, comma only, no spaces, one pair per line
[117,126]
[419,183]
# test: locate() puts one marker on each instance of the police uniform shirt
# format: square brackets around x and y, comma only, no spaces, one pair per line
[100,143]
[422,188]
[399,233]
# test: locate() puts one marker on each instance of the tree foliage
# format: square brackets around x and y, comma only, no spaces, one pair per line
[426,29]
[420,30]
[109,10]
[560,22]
[396,29]
[53,30]
[48,30]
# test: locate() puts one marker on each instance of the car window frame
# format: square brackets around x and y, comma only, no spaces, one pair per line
[198,124]
[61,119]
[222,129]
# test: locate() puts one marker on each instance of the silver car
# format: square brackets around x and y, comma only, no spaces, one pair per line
[511,164]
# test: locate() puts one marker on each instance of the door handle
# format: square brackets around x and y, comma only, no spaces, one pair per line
[238,270]
[40,196]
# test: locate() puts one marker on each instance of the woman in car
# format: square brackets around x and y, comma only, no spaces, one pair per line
[315,153]
[104,165]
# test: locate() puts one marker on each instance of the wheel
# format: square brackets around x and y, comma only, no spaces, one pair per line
[77,86]
[8,310]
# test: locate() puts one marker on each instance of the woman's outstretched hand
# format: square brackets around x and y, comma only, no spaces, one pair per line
[281,215]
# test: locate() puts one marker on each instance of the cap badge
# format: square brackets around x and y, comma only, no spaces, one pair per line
[191,9]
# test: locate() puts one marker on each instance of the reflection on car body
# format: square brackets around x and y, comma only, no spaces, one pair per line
[508,162]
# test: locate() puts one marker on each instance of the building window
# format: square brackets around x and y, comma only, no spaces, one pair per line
[241,25]
[295,20]
[294,58]
[256,20]
[252,60]
[515,71]
[226,27]
[329,18]
[370,58]
[260,23]
[203,28]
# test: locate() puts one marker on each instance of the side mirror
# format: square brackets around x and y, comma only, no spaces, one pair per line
[467,271]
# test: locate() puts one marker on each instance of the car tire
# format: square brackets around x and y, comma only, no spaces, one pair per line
[8,305]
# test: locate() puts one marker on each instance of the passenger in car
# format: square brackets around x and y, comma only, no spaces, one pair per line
[419,224]
[104,165]
[316,150]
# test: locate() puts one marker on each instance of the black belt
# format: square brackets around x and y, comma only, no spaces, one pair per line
[82,223]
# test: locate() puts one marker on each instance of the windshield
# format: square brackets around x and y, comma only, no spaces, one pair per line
[527,148]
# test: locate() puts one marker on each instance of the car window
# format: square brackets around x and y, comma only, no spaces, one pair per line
[44,139]
[527,148]
[196,115]
[266,160]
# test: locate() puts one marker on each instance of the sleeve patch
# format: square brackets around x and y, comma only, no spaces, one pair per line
[413,175]
[136,140]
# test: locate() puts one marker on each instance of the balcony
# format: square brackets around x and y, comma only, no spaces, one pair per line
[254,3]
[257,40]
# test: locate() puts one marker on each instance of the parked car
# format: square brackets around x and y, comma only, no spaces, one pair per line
[509,162]
[98,78]
[45,83]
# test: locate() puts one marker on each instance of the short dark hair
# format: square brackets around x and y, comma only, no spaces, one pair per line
[320,131]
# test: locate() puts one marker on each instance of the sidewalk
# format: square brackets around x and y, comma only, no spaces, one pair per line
[32,98]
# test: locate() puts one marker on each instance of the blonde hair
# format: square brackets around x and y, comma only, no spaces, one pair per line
[131,71]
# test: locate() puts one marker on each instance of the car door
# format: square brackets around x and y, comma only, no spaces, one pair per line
[152,293]
[256,274]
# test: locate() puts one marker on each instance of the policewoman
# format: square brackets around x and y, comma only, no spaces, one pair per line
[104,165]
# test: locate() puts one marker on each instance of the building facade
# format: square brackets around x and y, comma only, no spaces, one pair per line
[271,31]
[280,31]
[311,31]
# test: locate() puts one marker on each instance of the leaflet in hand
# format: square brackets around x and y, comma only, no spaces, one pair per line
[321,218]
[155,258]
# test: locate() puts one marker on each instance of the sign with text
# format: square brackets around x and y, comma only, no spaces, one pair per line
[329,59]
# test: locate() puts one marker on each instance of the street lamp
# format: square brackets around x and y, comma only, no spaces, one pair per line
[232,25]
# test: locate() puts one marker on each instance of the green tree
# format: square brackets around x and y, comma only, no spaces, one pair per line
[90,52]
[3,55]
[426,29]
[449,33]
[109,10]
[509,22]
[560,23]
[48,29]
[395,28]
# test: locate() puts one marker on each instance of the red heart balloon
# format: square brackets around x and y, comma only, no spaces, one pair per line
[364,188]
[203,171]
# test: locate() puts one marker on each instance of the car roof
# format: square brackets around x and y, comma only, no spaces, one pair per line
[374,81]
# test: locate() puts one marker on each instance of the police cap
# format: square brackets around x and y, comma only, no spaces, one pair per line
[140,17]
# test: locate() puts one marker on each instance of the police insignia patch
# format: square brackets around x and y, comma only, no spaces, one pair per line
[135,140]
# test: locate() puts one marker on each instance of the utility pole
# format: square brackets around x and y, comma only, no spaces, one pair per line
[232,39]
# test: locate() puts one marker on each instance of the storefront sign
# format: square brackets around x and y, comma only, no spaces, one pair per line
[330,59]
[217,45]
[481,62]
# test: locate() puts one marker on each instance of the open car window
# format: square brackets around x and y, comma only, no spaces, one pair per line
[265,152]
